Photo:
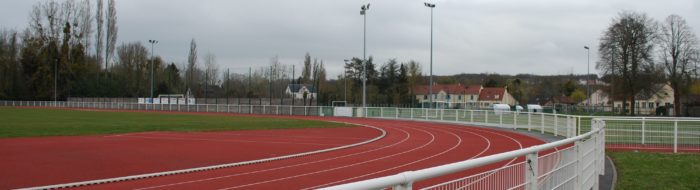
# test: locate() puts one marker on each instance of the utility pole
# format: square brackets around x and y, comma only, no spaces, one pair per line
[55,81]
[431,6]
[363,12]
[227,81]
[250,74]
[588,77]
[153,42]
[293,83]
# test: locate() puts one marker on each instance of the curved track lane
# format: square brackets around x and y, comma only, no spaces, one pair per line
[409,145]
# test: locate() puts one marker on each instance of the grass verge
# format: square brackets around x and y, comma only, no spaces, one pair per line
[637,170]
[28,122]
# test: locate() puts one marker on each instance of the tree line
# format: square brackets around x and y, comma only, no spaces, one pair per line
[637,54]
[69,49]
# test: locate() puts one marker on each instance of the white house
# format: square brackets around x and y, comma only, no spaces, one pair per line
[299,90]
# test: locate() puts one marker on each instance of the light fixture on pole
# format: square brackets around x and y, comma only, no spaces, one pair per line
[588,76]
[363,12]
[153,42]
[431,6]
[345,80]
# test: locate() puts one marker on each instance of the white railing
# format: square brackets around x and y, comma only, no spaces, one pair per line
[574,167]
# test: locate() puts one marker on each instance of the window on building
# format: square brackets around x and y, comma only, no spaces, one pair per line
[448,97]
[425,97]
[651,104]
[459,97]
[472,97]
[644,105]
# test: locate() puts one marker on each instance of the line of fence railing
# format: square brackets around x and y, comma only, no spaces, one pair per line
[575,163]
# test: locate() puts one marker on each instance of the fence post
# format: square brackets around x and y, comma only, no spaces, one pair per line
[457,115]
[471,116]
[426,113]
[675,136]
[381,112]
[500,119]
[486,114]
[643,129]
[411,113]
[442,114]
[531,171]
[579,165]
[578,118]
[529,121]
[556,124]
[515,120]
[542,123]
[397,113]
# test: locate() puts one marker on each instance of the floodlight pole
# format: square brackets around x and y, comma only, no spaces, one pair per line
[431,6]
[363,12]
[588,76]
[153,42]
[55,81]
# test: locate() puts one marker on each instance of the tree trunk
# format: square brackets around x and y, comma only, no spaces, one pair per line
[676,103]
[632,106]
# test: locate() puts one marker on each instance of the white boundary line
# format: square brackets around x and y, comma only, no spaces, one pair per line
[206,168]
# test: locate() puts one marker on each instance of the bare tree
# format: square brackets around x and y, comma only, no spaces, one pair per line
[626,49]
[111,31]
[306,71]
[678,45]
[191,64]
[99,38]
[85,18]
[212,69]
[133,65]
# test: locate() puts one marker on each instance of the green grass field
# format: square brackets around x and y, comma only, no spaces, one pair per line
[638,170]
[26,122]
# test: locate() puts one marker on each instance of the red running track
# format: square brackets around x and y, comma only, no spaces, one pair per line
[409,145]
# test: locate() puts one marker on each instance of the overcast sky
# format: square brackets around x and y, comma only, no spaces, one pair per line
[470,36]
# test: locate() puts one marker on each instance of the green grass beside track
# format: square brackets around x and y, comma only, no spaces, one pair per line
[29,122]
[637,170]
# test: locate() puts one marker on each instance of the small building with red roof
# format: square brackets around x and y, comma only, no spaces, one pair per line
[464,96]
[495,95]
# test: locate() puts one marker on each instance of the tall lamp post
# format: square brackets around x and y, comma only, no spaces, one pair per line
[431,6]
[345,80]
[55,82]
[363,12]
[588,75]
[153,42]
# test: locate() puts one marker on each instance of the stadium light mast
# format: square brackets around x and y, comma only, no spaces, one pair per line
[431,6]
[588,75]
[363,12]
[153,42]
[55,81]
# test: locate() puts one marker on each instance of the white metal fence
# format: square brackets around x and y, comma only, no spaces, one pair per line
[569,166]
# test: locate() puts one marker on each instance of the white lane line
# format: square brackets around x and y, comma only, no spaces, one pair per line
[206,168]
[284,136]
[227,141]
[432,139]
[459,142]
[408,135]
[520,145]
